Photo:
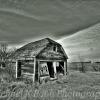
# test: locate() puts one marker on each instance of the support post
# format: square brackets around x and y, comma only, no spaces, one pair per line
[16,68]
[34,69]
[65,68]
[54,66]
[38,71]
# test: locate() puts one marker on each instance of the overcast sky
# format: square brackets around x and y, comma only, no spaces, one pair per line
[67,21]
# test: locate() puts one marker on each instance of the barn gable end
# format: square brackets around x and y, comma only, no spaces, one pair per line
[52,52]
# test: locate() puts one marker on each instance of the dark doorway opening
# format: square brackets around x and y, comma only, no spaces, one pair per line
[60,68]
[51,69]
[19,69]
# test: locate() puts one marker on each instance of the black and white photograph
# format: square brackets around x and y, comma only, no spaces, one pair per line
[49,49]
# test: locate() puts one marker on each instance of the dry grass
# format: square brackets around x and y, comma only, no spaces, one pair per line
[76,86]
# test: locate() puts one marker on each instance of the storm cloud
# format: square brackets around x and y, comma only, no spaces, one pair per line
[22,20]
[85,43]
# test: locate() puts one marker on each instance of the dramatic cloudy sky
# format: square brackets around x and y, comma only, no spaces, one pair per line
[73,23]
[84,44]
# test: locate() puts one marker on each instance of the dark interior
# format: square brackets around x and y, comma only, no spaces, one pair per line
[50,68]
[60,68]
[19,69]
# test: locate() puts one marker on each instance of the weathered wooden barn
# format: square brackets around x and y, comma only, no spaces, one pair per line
[41,59]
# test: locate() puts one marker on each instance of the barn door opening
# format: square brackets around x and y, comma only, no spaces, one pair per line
[60,67]
[19,69]
[51,69]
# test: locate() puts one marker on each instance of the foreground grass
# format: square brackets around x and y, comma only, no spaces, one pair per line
[76,86]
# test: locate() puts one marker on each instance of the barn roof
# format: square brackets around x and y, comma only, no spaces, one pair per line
[34,48]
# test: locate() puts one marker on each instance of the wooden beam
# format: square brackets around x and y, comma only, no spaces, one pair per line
[55,70]
[38,70]
[65,68]
[34,69]
[27,58]
[50,60]
[16,68]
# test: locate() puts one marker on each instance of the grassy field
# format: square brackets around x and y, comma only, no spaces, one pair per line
[76,86]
